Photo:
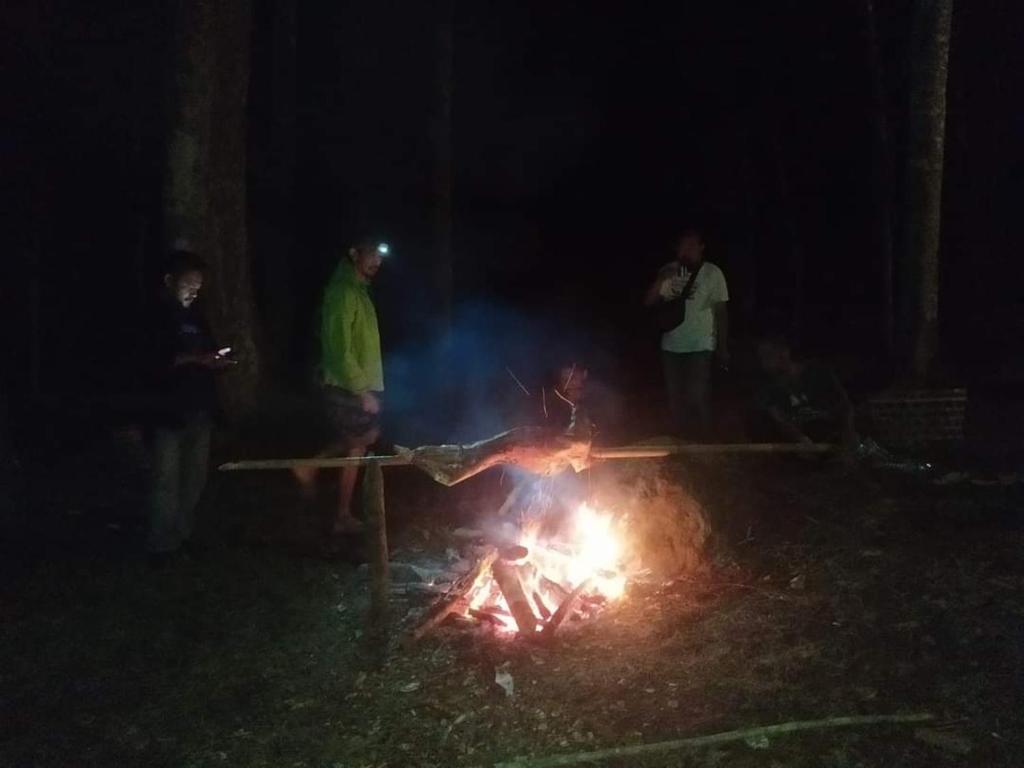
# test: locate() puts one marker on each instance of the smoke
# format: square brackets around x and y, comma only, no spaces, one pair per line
[459,388]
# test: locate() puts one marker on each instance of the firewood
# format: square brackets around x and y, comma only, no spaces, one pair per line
[542,609]
[553,586]
[513,552]
[507,577]
[494,610]
[563,611]
[455,600]
[490,617]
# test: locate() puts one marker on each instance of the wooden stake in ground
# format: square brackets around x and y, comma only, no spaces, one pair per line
[715,738]
[377,549]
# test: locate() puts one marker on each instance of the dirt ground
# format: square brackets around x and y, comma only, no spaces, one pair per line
[829,594]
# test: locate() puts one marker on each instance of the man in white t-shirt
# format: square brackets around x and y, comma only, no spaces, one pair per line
[689,350]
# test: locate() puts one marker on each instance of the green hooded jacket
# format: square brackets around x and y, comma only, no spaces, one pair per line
[349,338]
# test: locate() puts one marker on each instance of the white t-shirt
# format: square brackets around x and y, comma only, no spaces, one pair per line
[697,331]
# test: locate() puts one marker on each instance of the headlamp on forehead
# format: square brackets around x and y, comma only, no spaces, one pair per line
[383,249]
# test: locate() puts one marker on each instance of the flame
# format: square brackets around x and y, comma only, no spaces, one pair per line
[599,553]
[587,552]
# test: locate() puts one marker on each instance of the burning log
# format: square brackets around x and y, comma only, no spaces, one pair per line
[456,599]
[513,552]
[487,616]
[507,578]
[563,611]
[554,587]
[542,609]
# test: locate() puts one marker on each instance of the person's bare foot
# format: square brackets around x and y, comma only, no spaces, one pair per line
[346,524]
[306,478]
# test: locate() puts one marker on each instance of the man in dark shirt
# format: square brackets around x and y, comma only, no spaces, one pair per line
[801,401]
[182,364]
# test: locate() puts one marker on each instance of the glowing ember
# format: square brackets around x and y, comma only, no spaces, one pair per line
[587,551]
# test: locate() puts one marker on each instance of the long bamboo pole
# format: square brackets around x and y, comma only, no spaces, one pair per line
[691,449]
[616,452]
[322,462]
[637,750]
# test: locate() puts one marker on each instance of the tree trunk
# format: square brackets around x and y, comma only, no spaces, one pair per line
[881,176]
[748,217]
[444,271]
[770,81]
[35,330]
[929,67]
[205,183]
[795,254]
[796,251]
[272,166]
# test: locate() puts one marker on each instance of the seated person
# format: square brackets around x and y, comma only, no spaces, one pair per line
[569,410]
[565,397]
[579,403]
[556,401]
[800,401]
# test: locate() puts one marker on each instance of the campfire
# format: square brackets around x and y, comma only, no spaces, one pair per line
[539,581]
[534,570]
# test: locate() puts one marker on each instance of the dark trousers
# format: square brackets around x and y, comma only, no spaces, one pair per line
[688,383]
[181,456]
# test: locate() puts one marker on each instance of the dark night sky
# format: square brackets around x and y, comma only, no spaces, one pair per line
[581,141]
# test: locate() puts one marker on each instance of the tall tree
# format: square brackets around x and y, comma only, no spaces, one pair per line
[929,66]
[771,80]
[444,269]
[881,172]
[205,178]
[271,181]
[792,229]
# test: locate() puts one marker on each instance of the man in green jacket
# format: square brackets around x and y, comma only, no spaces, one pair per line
[351,367]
